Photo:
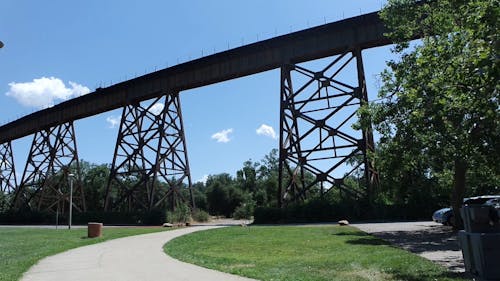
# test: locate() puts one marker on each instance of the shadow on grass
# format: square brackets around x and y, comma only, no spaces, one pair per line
[431,239]
[431,277]
[346,233]
[437,238]
[367,241]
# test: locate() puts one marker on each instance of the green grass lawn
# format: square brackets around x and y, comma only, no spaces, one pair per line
[20,248]
[303,253]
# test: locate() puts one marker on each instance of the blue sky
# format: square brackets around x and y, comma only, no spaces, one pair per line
[72,47]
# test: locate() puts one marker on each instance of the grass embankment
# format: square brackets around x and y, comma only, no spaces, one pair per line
[20,248]
[302,253]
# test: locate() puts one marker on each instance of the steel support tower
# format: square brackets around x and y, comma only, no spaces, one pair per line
[45,182]
[319,148]
[8,181]
[150,164]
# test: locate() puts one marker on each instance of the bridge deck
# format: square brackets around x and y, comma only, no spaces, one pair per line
[365,31]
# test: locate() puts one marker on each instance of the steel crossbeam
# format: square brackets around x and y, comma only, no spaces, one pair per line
[150,163]
[45,183]
[8,180]
[316,134]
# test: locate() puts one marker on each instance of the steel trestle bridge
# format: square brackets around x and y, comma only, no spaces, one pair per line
[151,147]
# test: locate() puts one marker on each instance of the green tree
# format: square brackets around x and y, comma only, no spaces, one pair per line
[247,176]
[94,180]
[4,202]
[200,196]
[268,180]
[222,195]
[440,100]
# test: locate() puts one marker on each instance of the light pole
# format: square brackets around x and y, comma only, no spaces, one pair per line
[71,176]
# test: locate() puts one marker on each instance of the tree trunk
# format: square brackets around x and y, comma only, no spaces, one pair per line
[458,191]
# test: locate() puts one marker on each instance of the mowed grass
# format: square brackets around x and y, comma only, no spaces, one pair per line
[20,248]
[302,253]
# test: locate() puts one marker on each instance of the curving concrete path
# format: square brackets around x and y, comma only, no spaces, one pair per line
[131,258]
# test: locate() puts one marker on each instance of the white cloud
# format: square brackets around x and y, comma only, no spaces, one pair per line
[222,136]
[113,121]
[156,108]
[203,179]
[78,90]
[266,130]
[43,92]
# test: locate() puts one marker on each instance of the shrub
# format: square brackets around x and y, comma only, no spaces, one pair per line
[200,216]
[181,214]
[153,217]
[244,211]
[4,202]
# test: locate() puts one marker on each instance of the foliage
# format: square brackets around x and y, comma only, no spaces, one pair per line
[200,198]
[200,216]
[245,209]
[302,253]
[153,217]
[333,210]
[4,202]
[181,214]
[20,248]
[439,117]
[26,217]
[94,180]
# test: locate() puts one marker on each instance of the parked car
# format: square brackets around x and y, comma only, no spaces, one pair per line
[447,217]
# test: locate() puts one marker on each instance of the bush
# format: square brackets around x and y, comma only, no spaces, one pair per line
[181,214]
[4,202]
[26,217]
[154,217]
[244,211]
[200,216]
[324,211]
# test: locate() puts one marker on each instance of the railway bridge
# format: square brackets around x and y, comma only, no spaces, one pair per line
[317,108]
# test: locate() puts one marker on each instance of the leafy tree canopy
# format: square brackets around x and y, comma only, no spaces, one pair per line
[440,99]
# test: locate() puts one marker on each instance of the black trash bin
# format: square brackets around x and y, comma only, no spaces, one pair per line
[480,241]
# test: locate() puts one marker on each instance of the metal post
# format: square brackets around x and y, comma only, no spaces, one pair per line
[70,199]
[57,216]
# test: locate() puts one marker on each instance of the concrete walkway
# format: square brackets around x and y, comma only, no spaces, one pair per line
[134,258]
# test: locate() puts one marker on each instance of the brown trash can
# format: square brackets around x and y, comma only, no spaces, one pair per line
[94,229]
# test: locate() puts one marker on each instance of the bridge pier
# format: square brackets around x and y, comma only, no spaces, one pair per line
[319,149]
[8,181]
[45,183]
[150,163]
